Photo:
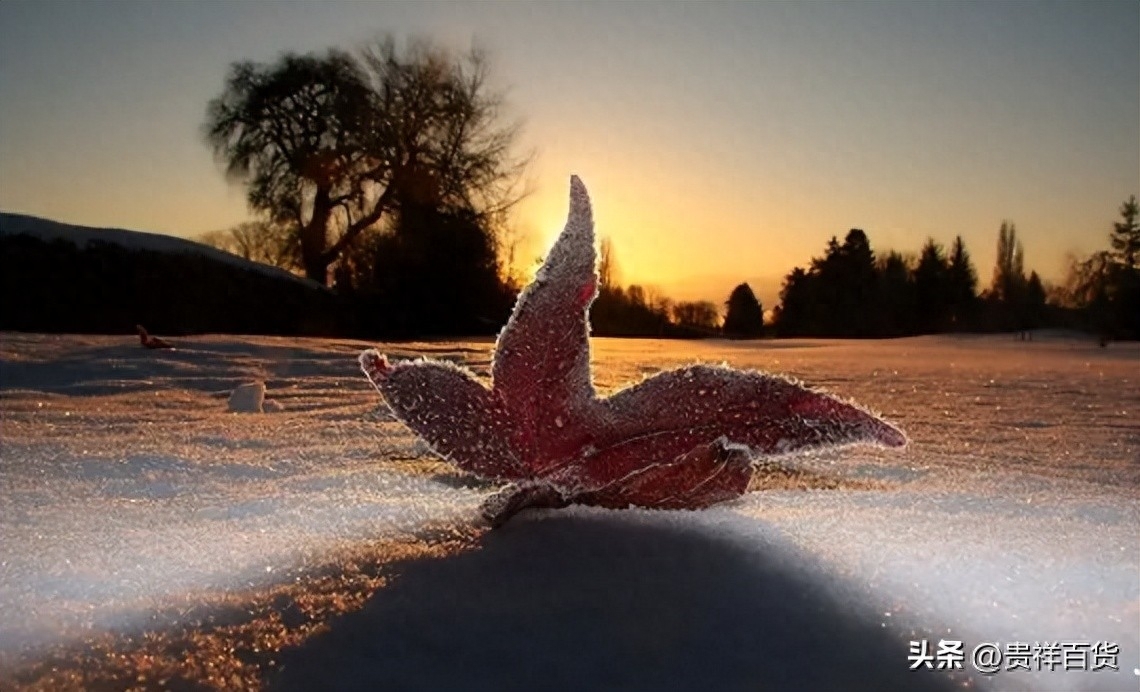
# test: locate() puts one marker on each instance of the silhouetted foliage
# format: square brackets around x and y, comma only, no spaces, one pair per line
[1125,276]
[1090,291]
[107,288]
[434,274]
[846,286]
[697,315]
[637,311]
[963,287]
[896,295]
[1007,301]
[333,143]
[297,133]
[850,293]
[1009,270]
[744,316]
[1033,307]
[932,291]
[836,296]
[1105,287]
[607,265]
[1125,238]
[273,243]
[793,314]
[626,312]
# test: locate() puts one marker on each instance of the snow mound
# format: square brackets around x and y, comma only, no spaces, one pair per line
[248,398]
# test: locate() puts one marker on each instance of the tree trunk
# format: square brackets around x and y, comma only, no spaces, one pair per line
[315,238]
[317,269]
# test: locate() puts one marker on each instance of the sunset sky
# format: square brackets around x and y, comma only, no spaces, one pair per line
[720,141]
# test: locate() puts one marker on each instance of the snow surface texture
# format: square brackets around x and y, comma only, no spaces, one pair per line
[1011,517]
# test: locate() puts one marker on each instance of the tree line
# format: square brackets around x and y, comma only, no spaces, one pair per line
[851,292]
[1103,289]
[389,174]
[101,287]
[640,311]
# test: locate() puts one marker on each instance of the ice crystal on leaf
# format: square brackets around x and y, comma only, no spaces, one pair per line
[681,439]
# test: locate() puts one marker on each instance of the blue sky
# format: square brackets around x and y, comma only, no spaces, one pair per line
[720,141]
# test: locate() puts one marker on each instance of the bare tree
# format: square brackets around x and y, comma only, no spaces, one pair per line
[657,301]
[607,265]
[700,315]
[267,242]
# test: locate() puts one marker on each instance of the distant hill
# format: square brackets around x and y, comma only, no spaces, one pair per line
[57,277]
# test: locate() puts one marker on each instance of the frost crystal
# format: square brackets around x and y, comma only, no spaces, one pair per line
[682,439]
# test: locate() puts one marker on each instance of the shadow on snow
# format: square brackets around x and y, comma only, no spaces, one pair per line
[588,599]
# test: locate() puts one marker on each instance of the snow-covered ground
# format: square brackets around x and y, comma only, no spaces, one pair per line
[126,484]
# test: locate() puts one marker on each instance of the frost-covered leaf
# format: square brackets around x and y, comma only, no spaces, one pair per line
[459,417]
[541,369]
[703,476]
[683,439]
[670,413]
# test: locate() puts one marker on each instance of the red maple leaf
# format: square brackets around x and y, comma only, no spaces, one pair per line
[682,439]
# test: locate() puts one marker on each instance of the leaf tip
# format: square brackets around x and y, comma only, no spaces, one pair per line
[850,421]
[581,213]
[890,436]
[576,184]
[375,366]
[884,433]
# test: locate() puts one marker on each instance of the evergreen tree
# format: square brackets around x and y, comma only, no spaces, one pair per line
[857,283]
[1033,308]
[1124,286]
[1125,236]
[836,296]
[896,314]
[794,314]
[744,316]
[932,290]
[963,286]
[843,288]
